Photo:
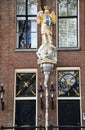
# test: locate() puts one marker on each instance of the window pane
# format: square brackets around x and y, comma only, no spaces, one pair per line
[29,40]
[25,84]
[72,7]
[32,7]
[22,40]
[21,33]
[34,40]
[33,34]
[25,113]
[68,83]
[68,8]
[22,26]
[26,34]
[63,8]
[33,25]
[21,7]
[68,32]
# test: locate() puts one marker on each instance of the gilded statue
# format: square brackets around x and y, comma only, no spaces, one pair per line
[46,19]
[47,52]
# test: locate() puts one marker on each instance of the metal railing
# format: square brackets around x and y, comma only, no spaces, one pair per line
[50,127]
[22,127]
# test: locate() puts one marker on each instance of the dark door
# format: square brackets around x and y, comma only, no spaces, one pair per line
[69,113]
[25,114]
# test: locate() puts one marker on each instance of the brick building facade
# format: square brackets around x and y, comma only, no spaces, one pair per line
[15,61]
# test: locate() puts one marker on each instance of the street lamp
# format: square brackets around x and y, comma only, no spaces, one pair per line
[41,96]
[52,95]
[2,91]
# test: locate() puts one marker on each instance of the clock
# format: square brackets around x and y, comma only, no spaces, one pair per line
[68,83]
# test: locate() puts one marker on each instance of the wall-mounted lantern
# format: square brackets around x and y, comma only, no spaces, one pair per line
[52,95]
[41,96]
[2,91]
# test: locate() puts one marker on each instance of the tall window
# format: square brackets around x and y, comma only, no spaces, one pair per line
[25,98]
[68,82]
[68,24]
[26,24]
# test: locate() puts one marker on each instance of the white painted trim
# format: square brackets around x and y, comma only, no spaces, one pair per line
[69,98]
[26,70]
[68,68]
[25,98]
[32,70]
[78,24]
[23,18]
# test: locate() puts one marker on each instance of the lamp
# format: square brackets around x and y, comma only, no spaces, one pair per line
[52,95]
[41,96]
[1,96]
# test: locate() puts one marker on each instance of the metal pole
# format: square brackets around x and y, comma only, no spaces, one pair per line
[46,113]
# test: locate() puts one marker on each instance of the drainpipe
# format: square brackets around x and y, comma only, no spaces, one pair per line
[46,68]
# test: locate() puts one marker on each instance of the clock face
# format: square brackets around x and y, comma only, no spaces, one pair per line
[68,83]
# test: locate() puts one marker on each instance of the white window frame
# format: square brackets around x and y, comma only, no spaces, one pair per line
[17,37]
[24,98]
[69,68]
[69,98]
[78,30]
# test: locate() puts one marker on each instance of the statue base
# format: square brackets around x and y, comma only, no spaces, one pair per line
[47,53]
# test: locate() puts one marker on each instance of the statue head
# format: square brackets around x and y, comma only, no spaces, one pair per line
[46,12]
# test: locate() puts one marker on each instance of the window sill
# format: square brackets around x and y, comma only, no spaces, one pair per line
[68,49]
[17,50]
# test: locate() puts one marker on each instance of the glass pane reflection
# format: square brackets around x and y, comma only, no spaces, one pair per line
[21,7]
[32,7]
[68,32]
